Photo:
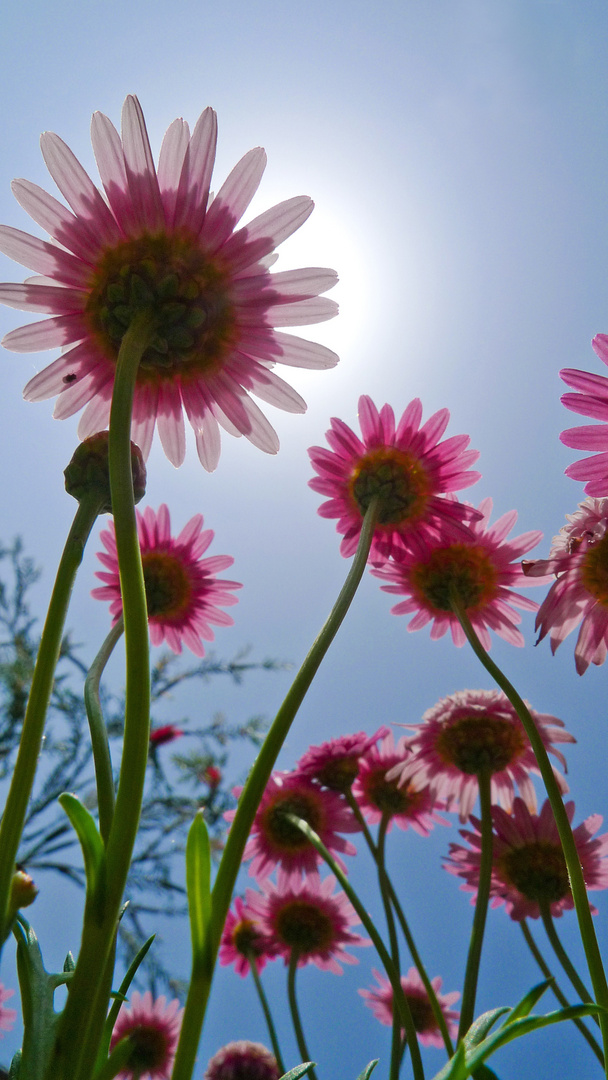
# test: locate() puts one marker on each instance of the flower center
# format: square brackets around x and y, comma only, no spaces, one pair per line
[594,571]
[149,1049]
[478,743]
[168,587]
[302,926]
[398,480]
[467,571]
[246,939]
[422,1013]
[185,289]
[339,774]
[387,797]
[280,831]
[537,870]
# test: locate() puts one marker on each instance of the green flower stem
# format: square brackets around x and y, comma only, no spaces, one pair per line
[469,992]
[83,1004]
[99,737]
[561,997]
[575,870]
[203,965]
[399,998]
[24,771]
[409,940]
[396,1042]
[268,1016]
[562,955]
[295,1014]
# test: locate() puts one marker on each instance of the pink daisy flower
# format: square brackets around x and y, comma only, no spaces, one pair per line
[590,399]
[275,841]
[473,730]
[243,940]
[306,915]
[579,560]
[183,593]
[410,803]
[380,1000]
[153,1028]
[7,1015]
[405,464]
[528,862]
[335,764]
[482,569]
[157,240]
[242,1060]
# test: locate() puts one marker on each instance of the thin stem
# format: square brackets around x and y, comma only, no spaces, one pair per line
[575,871]
[562,955]
[104,777]
[295,1014]
[396,1041]
[268,1016]
[202,970]
[561,997]
[469,992]
[13,818]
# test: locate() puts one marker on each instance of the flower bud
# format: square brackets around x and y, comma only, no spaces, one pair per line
[23,891]
[88,471]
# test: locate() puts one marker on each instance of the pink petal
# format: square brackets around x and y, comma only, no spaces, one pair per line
[78,189]
[140,170]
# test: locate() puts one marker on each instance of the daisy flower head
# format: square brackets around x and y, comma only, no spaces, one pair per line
[183,593]
[579,560]
[7,1015]
[155,240]
[480,571]
[306,916]
[242,1060]
[243,940]
[473,731]
[405,799]
[380,1000]
[153,1028]
[404,464]
[335,764]
[590,399]
[529,870]
[276,841]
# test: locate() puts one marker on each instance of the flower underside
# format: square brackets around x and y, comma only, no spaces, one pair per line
[537,870]
[246,938]
[168,586]
[388,797]
[462,571]
[340,774]
[149,1049]
[304,927]
[422,1013]
[480,743]
[594,571]
[281,831]
[397,479]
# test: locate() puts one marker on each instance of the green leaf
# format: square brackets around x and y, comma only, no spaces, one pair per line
[368,1070]
[298,1071]
[120,996]
[480,1027]
[527,1003]
[37,989]
[198,882]
[91,843]
[508,1032]
[455,1069]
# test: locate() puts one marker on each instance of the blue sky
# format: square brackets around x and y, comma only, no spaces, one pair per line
[457,155]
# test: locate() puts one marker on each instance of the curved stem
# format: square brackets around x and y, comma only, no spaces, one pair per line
[469,992]
[562,955]
[268,1016]
[24,770]
[396,1041]
[104,777]
[295,1015]
[575,871]
[202,971]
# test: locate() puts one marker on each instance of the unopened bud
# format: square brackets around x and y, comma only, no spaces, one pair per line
[88,471]
[23,891]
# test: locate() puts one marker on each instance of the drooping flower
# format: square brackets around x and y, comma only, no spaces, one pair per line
[404,464]
[153,1026]
[307,917]
[579,560]
[475,730]
[7,1015]
[529,868]
[380,1000]
[335,764]
[183,593]
[243,940]
[158,242]
[242,1060]
[409,802]
[480,570]
[590,399]
[275,841]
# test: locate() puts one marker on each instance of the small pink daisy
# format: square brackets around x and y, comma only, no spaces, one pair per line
[183,594]
[591,399]
[153,1028]
[404,464]
[481,569]
[380,1000]
[335,764]
[242,1060]
[528,862]
[475,730]
[7,1015]
[410,803]
[243,940]
[157,240]
[306,916]
[579,560]
[275,841]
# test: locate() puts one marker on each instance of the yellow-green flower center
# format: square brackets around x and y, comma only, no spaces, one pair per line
[461,569]
[537,870]
[168,587]
[303,927]
[246,938]
[594,570]
[398,480]
[480,743]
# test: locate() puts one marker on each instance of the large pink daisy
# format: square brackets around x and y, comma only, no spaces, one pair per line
[482,570]
[307,917]
[406,800]
[243,940]
[406,465]
[183,593]
[380,1000]
[528,862]
[579,560]
[158,241]
[475,730]
[153,1028]
[590,399]
[335,764]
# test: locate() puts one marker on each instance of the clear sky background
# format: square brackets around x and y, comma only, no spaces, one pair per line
[457,152]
